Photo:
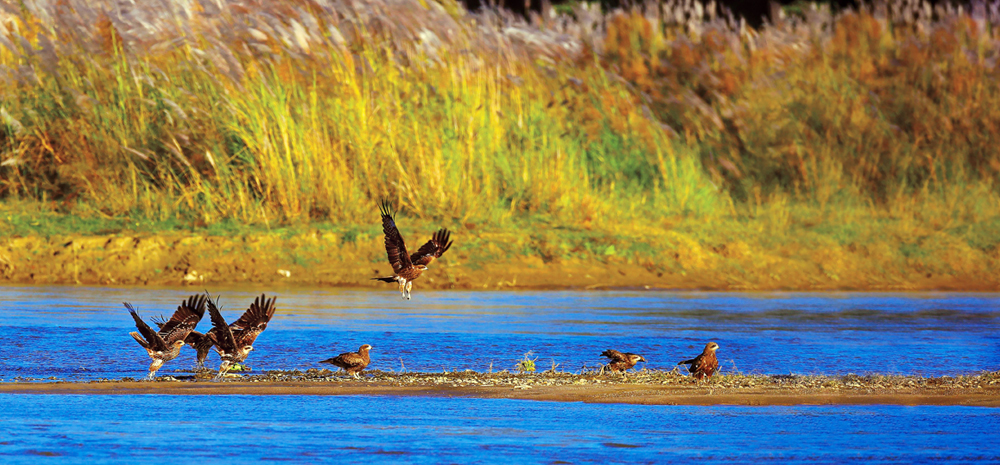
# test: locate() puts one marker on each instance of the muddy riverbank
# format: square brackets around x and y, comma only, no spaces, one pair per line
[480,261]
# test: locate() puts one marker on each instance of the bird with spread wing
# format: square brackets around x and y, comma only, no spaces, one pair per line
[234,341]
[196,340]
[621,361]
[352,362]
[164,345]
[705,364]
[407,268]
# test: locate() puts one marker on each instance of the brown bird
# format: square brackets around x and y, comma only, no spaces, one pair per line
[234,342]
[164,345]
[352,362]
[196,340]
[705,364]
[620,362]
[407,268]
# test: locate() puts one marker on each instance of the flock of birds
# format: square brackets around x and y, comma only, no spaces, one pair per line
[234,341]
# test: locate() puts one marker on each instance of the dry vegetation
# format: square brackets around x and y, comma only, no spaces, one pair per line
[650,377]
[860,142]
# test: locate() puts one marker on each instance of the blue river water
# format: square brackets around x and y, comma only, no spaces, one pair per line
[81,333]
[348,429]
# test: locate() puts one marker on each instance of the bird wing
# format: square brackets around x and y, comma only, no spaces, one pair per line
[254,320]
[395,249]
[349,360]
[261,310]
[222,336]
[185,319]
[689,362]
[434,248]
[152,337]
[194,339]
[614,355]
[159,321]
[206,341]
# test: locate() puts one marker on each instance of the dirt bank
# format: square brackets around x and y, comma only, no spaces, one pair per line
[479,261]
[650,388]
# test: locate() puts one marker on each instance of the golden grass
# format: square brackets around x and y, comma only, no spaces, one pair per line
[309,110]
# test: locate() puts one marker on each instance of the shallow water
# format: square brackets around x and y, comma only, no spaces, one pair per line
[73,428]
[81,333]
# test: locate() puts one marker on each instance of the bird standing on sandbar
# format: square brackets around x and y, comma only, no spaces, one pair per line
[352,362]
[164,345]
[705,364]
[407,268]
[234,341]
[621,361]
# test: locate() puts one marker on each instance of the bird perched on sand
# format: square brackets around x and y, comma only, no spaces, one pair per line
[234,341]
[164,345]
[620,362]
[705,364]
[407,268]
[352,362]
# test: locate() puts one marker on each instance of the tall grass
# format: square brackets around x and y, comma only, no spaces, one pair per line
[306,110]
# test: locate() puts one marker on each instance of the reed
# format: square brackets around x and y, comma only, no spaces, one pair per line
[275,114]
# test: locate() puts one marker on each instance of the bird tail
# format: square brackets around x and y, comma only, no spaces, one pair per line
[387,279]
[139,339]
[686,362]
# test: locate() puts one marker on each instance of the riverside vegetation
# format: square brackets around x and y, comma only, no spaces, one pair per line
[661,145]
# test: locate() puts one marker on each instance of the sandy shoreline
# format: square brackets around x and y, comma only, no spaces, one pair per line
[655,388]
[645,394]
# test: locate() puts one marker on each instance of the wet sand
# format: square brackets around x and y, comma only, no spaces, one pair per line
[583,389]
[327,259]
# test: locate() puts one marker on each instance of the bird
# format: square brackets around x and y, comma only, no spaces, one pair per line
[164,345]
[620,362]
[196,340]
[352,362]
[234,341]
[407,268]
[705,364]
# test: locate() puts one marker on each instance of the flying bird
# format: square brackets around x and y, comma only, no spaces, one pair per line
[705,364]
[620,362]
[407,268]
[164,345]
[234,341]
[352,362]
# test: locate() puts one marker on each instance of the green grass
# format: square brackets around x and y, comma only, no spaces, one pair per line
[658,139]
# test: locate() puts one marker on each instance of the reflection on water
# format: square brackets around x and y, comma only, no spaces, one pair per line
[81,333]
[433,430]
